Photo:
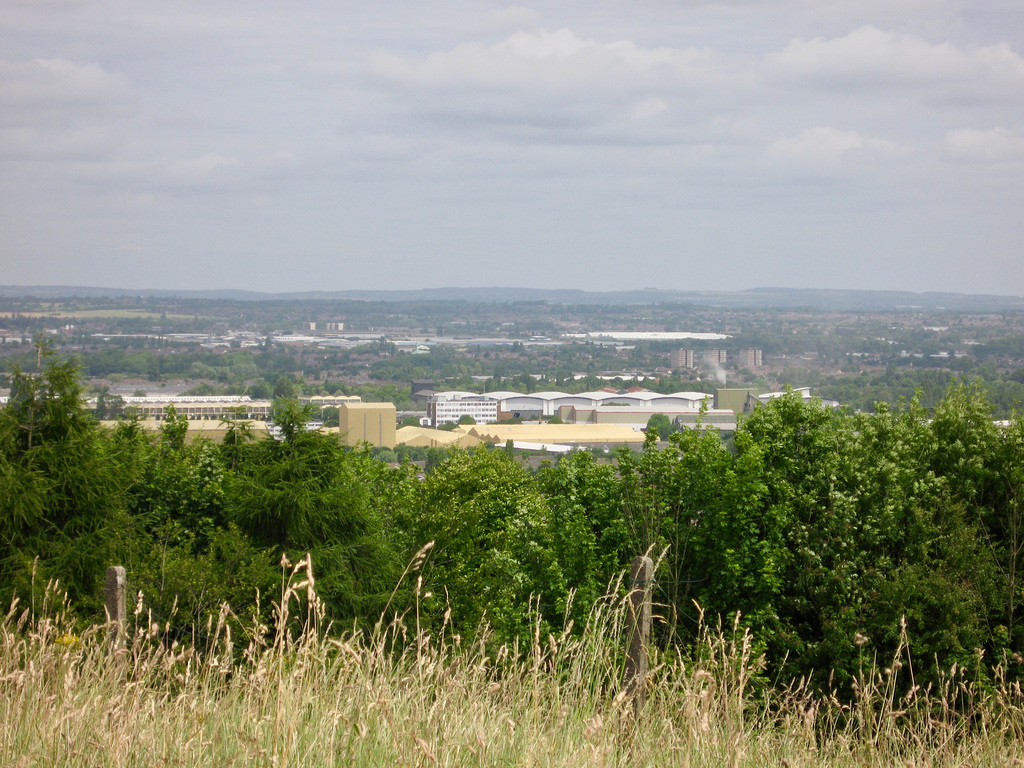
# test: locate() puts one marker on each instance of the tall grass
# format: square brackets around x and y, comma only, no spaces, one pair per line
[304,695]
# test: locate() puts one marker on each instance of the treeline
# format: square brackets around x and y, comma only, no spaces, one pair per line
[830,535]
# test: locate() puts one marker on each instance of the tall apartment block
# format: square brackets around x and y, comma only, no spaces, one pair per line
[714,357]
[682,358]
[749,358]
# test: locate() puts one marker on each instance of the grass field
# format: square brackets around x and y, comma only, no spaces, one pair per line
[310,696]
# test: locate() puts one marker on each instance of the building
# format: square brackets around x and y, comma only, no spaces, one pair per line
[537,436]
[683,359]
[749,358]
[742,401]
[714,357]
[372,423]
[540,405]
[203,429]
[423,437]
[805,395]
[638,417]
[309,325]
[335,326]
[323,401]
[422,389]
[450,407]
[738,401]
[197,407]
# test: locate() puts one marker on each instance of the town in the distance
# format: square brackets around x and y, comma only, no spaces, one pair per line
[541,376]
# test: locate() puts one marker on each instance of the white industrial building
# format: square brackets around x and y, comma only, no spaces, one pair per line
[449,407]
[547,404]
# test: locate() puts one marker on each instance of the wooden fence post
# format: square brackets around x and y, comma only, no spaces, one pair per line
[117,583]
[638,629]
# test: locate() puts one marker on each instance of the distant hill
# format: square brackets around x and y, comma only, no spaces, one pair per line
[755,298]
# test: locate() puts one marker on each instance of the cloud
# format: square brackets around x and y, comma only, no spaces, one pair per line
[58,109]
[31,143]
[57,83]
[511,19]
[871,58]
[996,145]
[558,61]
[201,168]
[547,79]
[828,146]
[200,175]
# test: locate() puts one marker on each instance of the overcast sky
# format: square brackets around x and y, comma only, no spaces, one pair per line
[277,146]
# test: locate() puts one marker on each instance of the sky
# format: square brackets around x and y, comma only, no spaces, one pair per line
[602,145]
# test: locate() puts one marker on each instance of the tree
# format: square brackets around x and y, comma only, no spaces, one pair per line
[299,494]
[185,553]
[493,554]
[590,538]
[108,406]
[660,424]
[284,388]
[62,489]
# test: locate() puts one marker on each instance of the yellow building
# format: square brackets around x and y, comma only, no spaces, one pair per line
[425,437]
[555,434]
[372,423]
[199,429]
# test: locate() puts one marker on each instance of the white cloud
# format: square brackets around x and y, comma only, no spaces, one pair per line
[870,57]
[203,167]
[512,19]
[649,108]
[996,145]
[828,146]
[549,80]
[58,109]
[556,60]
[32,143]
[56,82]
[209,172]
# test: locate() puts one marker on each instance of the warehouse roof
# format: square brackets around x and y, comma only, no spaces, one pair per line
[554,433]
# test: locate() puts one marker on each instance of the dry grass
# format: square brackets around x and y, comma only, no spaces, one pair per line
[305,697]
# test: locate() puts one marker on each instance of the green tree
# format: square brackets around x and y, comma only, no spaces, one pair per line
[62,489]
[493,554]
[661,425]
[185,554]
[299,494]
[589,536]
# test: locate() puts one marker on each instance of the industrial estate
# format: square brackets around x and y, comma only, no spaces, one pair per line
[533,376]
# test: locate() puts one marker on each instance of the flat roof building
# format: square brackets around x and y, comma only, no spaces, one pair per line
[638,418]
[442,409]
[197,407]
[324,401]
[372,423]
[557,434]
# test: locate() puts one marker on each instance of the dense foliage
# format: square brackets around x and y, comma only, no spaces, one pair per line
[829,535]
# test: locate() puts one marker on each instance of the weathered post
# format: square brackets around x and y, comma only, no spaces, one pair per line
[638,629]
[117,583]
